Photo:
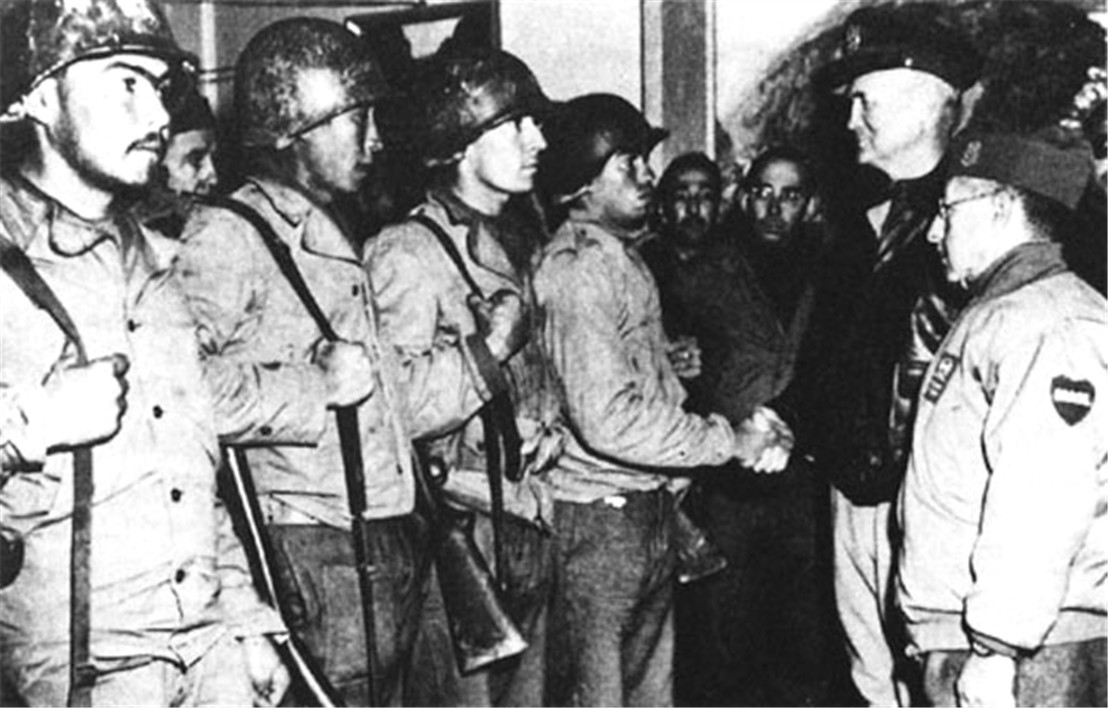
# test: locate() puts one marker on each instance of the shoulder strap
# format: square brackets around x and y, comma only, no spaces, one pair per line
[281,254]
[451,251]
[350,441]
[82,674]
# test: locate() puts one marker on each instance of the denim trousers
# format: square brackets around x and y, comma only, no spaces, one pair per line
[515,681]
[317,577]
[611,632]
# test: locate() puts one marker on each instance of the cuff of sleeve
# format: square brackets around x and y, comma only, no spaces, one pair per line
[30,446]
[726,449]
[984,645]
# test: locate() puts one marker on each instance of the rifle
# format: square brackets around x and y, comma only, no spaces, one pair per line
[260,549]
[350,439]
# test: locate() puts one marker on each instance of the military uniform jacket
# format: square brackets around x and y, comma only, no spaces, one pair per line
[422,297]
[1005,505]
[603,332]
[250,317]
[168,575]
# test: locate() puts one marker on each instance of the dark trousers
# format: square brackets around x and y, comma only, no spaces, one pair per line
[1073,674]
[612,627]
[517,680]
[762,631]
[317,576]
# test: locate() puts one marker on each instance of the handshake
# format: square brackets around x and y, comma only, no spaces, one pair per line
[763,441]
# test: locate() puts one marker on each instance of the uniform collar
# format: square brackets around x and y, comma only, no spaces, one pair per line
[1023,264]
[320,233]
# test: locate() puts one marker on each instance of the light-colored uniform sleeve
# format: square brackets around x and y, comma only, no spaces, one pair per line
[1044,439]
[246,614]
[613,396]
[438,369]
[274,402]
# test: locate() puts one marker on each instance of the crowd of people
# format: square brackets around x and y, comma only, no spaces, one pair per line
[766,449]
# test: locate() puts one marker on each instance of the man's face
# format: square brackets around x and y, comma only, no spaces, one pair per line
[188,162]
[894,112]
[964,228]
[775,201]
[504,160]
[691,207]
[334,156]
[620,195]
[108,121]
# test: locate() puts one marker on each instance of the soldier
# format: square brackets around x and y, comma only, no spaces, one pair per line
[1003,567]
[172,613]
[884,306]
[614,500]
[189,162]
[481,143]
[305,90]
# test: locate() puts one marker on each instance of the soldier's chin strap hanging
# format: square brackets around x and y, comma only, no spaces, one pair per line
[82,674]
[350,440]
[502,441]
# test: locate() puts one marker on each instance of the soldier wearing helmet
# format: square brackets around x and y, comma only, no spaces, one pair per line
[615,486]
[480,137]
[305,91]
[173,616]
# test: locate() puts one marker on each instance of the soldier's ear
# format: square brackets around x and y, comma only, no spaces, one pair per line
[811,211]
[42,104]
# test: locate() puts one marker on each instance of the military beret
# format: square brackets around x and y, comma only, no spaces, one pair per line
[1050,163]
[907,37]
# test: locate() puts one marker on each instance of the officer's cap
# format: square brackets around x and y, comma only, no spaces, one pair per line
[908,37]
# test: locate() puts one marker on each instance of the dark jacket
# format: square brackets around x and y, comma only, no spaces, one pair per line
[884,307]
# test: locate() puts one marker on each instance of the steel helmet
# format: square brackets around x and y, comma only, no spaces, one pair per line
[43,37]
[583,133]
[270,93]
[467,92]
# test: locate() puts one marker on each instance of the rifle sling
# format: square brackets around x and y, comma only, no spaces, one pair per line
[346,418]
[503,444]
[82,674]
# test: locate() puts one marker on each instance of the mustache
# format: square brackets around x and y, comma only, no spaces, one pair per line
[773,225]
[151,141]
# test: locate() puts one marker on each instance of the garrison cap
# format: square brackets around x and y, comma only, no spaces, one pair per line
[903,37]
[1052,163]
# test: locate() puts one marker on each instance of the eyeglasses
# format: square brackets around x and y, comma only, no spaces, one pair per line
[793,196]
[946,207]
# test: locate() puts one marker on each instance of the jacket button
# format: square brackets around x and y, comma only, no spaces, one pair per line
[265,430]
[179,576]
[132,325]
[355,290]
[158,412]
[175,494]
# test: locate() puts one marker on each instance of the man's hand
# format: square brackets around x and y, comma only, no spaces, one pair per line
[763,441]
[268,675]
[684,355]
[503,320]
[346,370]
[542,445]
[987,681]
[83,405]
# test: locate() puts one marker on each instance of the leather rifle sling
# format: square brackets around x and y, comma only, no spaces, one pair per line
[346,417]
[82,673]
[503,444]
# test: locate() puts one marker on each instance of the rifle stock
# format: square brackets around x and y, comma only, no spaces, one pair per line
[480,628]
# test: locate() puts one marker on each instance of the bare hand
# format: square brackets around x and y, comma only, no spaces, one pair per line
[347,372]
[763,441]
[84,405]
[268,676]
[684,356]
[502,318]
[987,681]
[542,446]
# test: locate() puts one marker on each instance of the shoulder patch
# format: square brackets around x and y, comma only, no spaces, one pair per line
[940,377]
[1072,399]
